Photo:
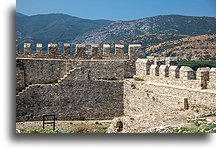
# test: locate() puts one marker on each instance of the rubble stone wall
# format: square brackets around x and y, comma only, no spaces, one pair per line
[42,70]
[176,76]
[20,83]
[97,69]
[77,99]
[143,97]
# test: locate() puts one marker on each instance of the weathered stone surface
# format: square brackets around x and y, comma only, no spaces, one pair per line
[78,85]
[72,99]
[134,51]
[186,73]
[142,68]
[154,70]
[212,76]
[174,72]
[119,50]
[164,71]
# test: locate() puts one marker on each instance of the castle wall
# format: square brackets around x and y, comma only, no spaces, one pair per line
[81,52]
[173,75]
[72,100]
[78,93]
[20,83]
[97,69]
[212,77]
[145,97]
[42,70]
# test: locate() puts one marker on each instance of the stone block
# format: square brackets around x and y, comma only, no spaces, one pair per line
[27,48]
[67,49]
[142,67]
[106,49]
[202,75]
[212,76]
[164,71]
[52,48]
[154,70]
[39,48]
[134,51]
[186,73]
[173,72]
[94,51]
[80,51]
[119,50]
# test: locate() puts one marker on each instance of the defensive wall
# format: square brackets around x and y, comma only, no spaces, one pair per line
[74,96]
[162,95]
[96,85]
[168,88]
[84,84]
[96,51]
[41,68]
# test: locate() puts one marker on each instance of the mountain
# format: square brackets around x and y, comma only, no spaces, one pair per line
[53,27]
[190,48]
[175,24]
[148,39]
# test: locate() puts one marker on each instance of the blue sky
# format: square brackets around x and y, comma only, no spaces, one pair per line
[118,9]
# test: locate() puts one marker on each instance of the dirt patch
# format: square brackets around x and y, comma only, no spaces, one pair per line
[94,126]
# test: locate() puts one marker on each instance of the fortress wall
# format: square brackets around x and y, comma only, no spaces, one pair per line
[173,75]
[42,70]
[81,52]
[97,69]
[143,97]
[20,83]
[78,98]
[49,70]
[195,97]
[129,69]
[212,76]
[195,84]
[140,100]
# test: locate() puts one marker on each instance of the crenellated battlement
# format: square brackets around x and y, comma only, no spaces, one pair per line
[164,70]
[96,51]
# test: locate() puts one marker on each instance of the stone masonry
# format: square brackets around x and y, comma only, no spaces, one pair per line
[73,85]
[165,97]
[97,84]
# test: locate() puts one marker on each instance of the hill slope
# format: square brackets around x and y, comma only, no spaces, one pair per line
[176,24]
[53,27]
[190,48]
[148,39]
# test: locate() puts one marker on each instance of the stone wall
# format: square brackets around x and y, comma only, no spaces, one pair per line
[42,70]
[212,81]
[173,75]
[81,52]
[20,83]
[144,97]
[100,69]
[74,97]
[37,71]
